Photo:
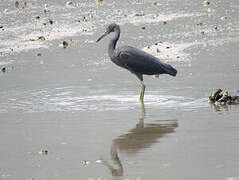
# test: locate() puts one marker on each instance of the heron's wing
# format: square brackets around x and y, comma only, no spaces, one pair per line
[141,62]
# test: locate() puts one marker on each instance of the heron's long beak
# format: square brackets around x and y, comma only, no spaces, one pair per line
[106,33]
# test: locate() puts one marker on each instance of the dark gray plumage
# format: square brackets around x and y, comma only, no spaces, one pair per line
[135,60]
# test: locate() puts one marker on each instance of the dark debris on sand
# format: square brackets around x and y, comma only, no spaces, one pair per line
[221,97]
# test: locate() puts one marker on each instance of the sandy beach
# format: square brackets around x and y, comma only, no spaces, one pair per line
[70,113]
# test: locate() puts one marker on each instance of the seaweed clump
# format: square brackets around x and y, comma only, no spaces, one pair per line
[221,97]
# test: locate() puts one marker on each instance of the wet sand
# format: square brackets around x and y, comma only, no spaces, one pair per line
[72,114]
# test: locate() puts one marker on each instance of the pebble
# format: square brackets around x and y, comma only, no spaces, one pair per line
[139,14]
[46,10]
[50,21]
[98,1]
[86,163]
[154,3]
[3,69]
[223,18]
[42,38]
[69,3]
[43,152]
[209,10]
[206,3]
[16,4]
[99,161]
[65,44]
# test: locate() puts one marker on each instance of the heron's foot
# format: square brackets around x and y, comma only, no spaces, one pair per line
[141,98]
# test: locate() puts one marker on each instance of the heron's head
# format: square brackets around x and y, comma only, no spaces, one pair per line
[111,28]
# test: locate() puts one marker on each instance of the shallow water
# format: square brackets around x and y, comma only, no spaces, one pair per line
[84,111]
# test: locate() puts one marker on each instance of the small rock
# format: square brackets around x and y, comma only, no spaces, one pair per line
[202,32]
[1,27]
[143,27]
[46,11]
[39,54]
[199,24]
[5,11]
[216,28]
[86,163]
[98,1]
[16,4]
[50,21]
[215,95]
[42,38]
[209,10]
[158,51]
[65,44]
[219,97]
[84,19]
[99,161]
[4,69]
[164,22]
[223,18]
[206,3]
[154,3]
[43,152]
[37,17]
[69,3]
[139,14]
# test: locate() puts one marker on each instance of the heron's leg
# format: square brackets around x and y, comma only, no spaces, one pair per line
[140,77]
[141,119]
[141,98]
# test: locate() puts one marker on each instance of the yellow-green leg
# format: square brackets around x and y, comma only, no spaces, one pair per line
[141,98]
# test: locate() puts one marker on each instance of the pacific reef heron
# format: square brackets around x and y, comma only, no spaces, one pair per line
[135,60]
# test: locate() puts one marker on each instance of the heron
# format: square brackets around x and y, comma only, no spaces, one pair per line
[135,60]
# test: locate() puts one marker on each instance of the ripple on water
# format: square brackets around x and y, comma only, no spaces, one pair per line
[67,99]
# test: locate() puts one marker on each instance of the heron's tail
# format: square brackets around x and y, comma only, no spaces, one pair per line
[170,70]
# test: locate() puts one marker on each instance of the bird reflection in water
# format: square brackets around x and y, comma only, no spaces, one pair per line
[143,136]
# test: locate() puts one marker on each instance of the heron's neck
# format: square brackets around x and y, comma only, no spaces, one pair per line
[113,42]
